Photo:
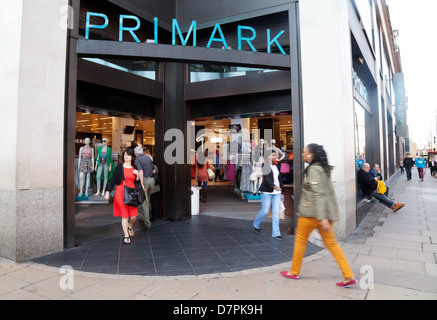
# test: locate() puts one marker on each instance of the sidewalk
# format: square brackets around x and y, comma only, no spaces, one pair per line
[397,250]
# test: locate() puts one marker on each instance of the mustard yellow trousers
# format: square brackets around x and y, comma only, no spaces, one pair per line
[304,228]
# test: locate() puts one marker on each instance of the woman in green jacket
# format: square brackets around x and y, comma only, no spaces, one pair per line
[318,209]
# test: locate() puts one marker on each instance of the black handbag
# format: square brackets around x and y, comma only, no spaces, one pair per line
[130,196]
[155,176]
[141,193]
[133,197]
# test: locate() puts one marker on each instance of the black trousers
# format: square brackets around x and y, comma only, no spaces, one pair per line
[408,171]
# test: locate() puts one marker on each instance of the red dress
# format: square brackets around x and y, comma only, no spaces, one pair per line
[120,209]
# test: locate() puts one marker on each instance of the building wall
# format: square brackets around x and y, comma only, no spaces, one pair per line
[32,107]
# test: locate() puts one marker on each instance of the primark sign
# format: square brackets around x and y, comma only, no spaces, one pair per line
[245,34]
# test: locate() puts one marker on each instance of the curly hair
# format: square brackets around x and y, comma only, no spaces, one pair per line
[320,157]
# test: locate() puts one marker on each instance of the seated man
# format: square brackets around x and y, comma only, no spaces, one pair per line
[376,173]
[369,184]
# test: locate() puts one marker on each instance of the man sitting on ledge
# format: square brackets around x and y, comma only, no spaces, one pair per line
[369,184]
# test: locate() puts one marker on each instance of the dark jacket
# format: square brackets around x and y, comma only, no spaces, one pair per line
[408,163]
[268,181]
[367,183]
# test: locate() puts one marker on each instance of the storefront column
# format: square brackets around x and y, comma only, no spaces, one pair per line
[32,88]
[328,110]
[174,200]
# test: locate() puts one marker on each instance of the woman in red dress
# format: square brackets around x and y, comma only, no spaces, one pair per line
[124,174]
[202,166]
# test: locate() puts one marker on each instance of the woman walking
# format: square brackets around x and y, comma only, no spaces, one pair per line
[318,209]
[202,166]
[125,173]
[270,194]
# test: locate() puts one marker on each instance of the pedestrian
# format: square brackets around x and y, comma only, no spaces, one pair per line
[420,164]
[271,191]
[401,166]
[369,186]
[318,209]
[432,164]
[360,162]
[376,172]
[218,165]
[202,166]
[154,194]
[408,164]
[144,163]
[124,174]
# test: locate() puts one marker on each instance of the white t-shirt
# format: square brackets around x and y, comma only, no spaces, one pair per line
[275,180]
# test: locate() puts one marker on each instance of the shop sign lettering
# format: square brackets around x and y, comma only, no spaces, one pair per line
[245,34]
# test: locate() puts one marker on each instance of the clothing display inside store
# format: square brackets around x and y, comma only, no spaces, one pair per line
[238,157]
[85,166]
[98,133]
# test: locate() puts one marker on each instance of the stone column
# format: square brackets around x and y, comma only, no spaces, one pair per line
[328,96]
[32,86]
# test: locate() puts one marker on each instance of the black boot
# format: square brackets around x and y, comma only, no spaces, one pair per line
[205,194]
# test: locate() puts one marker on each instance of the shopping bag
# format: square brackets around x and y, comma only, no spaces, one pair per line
[316,238]
[282,211]
[211,174]
[381,188]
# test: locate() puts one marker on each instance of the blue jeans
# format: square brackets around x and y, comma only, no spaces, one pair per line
[205,184]
[267,200]
[383,199]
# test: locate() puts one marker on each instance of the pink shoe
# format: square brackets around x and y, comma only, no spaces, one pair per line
[347,284]
[289,276]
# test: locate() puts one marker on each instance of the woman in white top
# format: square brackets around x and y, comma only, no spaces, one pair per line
[270,194]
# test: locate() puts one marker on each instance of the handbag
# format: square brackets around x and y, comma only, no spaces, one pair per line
[133,197]
[155,176]
[130,196]
[140,191]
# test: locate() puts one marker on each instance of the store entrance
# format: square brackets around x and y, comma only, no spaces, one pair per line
[100,139]
[228,145]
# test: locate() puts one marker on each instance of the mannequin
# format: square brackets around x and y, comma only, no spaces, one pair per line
[281,155]
[103,163]
[257,164]
[86,165]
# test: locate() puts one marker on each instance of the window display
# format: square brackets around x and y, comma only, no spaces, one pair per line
[100,139]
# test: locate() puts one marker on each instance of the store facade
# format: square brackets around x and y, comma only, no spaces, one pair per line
[135,72]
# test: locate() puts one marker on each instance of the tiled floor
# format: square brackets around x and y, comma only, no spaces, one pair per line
[200,245]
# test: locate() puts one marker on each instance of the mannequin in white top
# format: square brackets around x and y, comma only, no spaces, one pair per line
[86,165]
[257,163]
[281,155]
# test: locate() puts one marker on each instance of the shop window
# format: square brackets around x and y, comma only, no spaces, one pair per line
[205,72]
[145,69]
[360,134]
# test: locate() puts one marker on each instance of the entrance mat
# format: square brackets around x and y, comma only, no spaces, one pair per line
[88,235]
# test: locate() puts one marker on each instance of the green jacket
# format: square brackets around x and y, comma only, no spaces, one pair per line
[108,161]
[318,199]
[108,156]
